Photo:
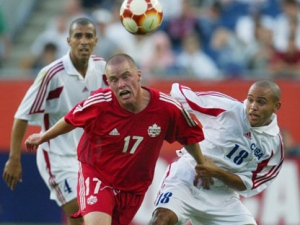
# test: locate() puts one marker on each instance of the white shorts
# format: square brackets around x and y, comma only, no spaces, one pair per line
[60,174]
[218,206]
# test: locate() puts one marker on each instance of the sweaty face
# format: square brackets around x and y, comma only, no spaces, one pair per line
[124,80]
[260,106]
[82,41]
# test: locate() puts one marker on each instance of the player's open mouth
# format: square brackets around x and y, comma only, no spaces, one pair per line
[84,50]
[124,93]
[253,116]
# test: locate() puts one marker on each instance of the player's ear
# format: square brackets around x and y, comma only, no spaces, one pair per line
[139,75]
[104,77]
[277,106]
[69,41]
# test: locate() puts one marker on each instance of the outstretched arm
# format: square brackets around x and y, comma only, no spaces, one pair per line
[61,127]
[195,151]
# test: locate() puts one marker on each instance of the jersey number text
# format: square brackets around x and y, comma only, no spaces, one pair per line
[137,140]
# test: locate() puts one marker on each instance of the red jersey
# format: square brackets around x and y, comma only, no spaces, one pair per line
[123,147]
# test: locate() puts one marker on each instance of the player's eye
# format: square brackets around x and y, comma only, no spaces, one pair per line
[112,80]
[250,99]
[89,36]
[77,35]
[261,102]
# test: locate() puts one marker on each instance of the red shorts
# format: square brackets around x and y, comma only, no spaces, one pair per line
[95,196]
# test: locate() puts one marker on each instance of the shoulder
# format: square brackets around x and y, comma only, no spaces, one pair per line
[99,63]
[169,101]
[55,65]
[165,100]
[53,69]
[101,95]
[98,60]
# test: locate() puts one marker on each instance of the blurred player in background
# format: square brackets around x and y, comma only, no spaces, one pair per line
[244,152]
[124,129]
[56,90]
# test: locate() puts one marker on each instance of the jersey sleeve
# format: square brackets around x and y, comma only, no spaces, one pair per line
[33,104]
[260,175]
[210,103]
[182,127]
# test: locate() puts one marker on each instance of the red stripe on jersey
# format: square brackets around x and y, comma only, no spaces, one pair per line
[47,160]
[36,107]
[259,168]
[167,174]
[52,180]
[281,146]
[43,87]
[47,124]
[97,58]
[46,121]
[273,172]
[55,93]
[214,93]
[207,111]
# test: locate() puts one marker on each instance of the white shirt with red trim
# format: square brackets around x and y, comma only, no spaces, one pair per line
[56,90]
[255,154]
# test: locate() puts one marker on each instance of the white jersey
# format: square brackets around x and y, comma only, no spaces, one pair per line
[255,154]
[56,90]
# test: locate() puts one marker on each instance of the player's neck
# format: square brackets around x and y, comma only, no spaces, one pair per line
[80,65]
[142,101]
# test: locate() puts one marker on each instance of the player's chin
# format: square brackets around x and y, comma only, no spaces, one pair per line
[84,52]
[83,58]
[84,55]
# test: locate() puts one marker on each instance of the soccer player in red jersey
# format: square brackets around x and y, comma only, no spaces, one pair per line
[124,129]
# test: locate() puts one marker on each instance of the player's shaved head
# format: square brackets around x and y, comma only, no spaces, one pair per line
[120,58]
[275,89]
[81,21]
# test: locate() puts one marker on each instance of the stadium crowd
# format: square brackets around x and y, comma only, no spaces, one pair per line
[207,39]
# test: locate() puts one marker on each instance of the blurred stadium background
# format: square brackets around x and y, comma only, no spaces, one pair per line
[27,26]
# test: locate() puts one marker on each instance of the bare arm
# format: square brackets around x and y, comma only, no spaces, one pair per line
[12,172]
[18,131]
[61,127]
[195,151]
[209,170]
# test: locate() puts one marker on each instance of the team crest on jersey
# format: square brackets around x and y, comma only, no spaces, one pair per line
[92,200]
[154,130]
